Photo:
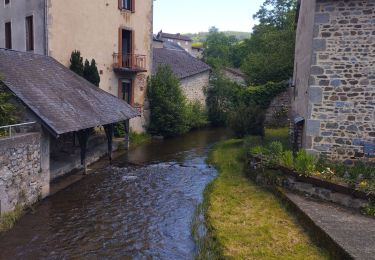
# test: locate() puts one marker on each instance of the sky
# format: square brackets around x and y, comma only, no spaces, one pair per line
[192,16]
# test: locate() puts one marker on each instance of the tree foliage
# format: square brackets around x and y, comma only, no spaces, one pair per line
[270,50]
[218,48]
[7,108]
[86,70]
[91,73]
[167,103]
[76,63]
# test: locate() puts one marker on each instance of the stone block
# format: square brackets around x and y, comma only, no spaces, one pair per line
[319,45]
[315,94]
[313,127]
[322,18]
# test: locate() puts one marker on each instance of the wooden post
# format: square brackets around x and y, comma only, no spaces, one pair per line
[127,132]
[109,133]
[83,137]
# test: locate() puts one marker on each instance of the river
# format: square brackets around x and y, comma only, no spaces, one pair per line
[141,207]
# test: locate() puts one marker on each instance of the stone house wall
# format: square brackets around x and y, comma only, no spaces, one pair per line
[195,85]
[340,120]
[22,180]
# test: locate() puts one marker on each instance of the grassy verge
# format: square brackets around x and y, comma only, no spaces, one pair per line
[8,220]
[245,221]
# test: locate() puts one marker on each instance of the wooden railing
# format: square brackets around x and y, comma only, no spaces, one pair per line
[129,61]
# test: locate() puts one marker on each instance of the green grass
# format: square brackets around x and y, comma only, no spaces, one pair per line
[8,220]
[245,221]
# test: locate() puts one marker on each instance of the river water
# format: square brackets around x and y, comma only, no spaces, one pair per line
[141,207]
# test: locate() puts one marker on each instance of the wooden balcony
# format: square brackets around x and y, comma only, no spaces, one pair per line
[129,62]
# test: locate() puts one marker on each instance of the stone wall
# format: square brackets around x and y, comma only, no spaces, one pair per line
[194,86]
[341,111]
[22,181]
[278,112]
[235,76]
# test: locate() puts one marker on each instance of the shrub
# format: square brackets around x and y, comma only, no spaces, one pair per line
[305,164]
[168,105]
[247,120]
[257,150]
[275,152]
[287,160]
[197,115]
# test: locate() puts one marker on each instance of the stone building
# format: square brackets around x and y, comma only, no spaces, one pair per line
[193,74]
[57,103]
[183,41]
[116,33]
[334,77]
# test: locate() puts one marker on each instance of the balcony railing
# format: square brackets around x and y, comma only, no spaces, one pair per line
[129,61]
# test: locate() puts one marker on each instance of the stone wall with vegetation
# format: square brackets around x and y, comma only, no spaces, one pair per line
[342,81]
[278,112]
[21,178]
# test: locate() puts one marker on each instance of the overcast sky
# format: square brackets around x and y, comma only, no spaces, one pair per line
[191,16]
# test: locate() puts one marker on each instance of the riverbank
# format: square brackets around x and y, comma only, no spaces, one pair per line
[245,221]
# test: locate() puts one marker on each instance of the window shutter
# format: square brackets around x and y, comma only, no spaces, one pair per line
[120,4]
[120,89]
[133,6]
[133,49]
[132,92]
[120,47]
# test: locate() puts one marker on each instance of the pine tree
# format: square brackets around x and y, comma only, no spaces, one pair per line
[76,63]
[91,73]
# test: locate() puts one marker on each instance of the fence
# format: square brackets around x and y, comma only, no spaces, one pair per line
[8,129]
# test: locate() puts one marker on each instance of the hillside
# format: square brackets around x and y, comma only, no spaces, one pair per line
[201,36]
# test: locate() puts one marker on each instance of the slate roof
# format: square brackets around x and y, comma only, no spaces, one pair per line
[182,63]
[176,36]
[62,100]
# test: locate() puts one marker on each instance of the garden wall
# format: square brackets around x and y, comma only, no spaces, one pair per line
[193,87]
[278,112]
[22,181]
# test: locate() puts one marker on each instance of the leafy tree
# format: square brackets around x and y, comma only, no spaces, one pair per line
[76,62]
[221,96]
[167,103]
[217,48]
[270,50]
[91,73]
[7,108]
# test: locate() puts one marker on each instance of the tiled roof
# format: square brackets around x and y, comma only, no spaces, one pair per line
[176,36]
[182,63]
[62,100]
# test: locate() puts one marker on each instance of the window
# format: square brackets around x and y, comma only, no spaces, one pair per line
[127,5]
[126,91]
[7,2]
[8,35]
[29,33]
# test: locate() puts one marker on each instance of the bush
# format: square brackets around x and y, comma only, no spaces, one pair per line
[7,108]
[197,115]
[287,160]
[76,63]
[305,164]
[247,120]
[169,115]
[275,152]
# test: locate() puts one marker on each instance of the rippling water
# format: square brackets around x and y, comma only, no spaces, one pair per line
[122,211]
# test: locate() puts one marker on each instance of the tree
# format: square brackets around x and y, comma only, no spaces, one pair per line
[76,62]
[169,115]
[217,48]
[91,73]
[7,108]
[270,50]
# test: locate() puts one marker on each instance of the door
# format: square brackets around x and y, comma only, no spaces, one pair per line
[126,48]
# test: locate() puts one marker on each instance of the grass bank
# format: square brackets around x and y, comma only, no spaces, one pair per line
[138,139]
[245,221]
[8,220]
